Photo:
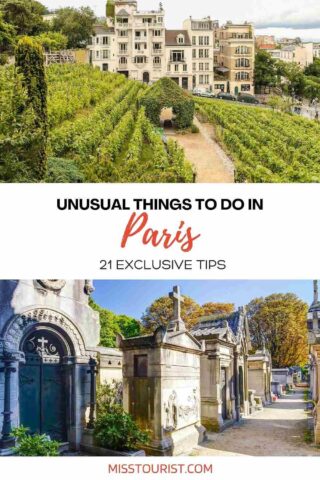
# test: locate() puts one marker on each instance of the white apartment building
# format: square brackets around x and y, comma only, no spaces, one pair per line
[316,50]
[301,54]
[201,33]
[201,55]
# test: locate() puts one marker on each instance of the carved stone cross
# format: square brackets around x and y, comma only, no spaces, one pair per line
[177,300]
[42,342]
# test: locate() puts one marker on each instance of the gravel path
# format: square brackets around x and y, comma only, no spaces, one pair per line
[276,431]
[211,163]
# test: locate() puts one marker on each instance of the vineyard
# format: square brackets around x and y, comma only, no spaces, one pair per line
[266,146]
[96,130]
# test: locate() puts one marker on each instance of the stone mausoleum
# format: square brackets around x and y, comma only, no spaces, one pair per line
[49,339]
[161,385]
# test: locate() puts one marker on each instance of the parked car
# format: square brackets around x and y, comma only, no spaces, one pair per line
[226,96]
[247,98]
[203,93]
[207,95]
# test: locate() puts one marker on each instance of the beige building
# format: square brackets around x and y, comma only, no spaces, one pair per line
[201,33]
[301,54]
[235,55]
[201,55]
[259,374]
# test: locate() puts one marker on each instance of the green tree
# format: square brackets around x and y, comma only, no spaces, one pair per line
[7,35]
[110,9]
[75,24]
[52,41]
[30,65]
[265,70]
[295,78]
[279,322]
[112,324]
[313,69]
[25,15]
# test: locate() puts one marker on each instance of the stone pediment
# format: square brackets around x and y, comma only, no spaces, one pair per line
[182,339]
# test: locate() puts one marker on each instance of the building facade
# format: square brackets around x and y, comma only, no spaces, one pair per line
[201,55]
[314,351]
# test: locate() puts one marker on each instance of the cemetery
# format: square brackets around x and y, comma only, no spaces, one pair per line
[170,392]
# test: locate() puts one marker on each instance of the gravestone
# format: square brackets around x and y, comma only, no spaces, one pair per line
[161,385]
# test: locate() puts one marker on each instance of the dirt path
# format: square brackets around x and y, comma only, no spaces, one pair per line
[211,163]
[277,431]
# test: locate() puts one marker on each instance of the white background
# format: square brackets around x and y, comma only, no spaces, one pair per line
[39,241]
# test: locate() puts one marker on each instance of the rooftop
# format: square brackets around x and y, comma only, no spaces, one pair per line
[172,38]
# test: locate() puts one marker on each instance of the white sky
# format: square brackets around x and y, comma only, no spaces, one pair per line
[291,17]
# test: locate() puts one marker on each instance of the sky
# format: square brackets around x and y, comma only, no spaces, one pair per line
[297,18]
[132,297]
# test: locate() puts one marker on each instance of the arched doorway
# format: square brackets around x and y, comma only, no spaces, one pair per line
[146,77]
[44,383]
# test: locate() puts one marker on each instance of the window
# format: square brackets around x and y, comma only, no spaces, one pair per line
[206,67]
[242,62]
[157,33]
[242,50]
[157,60]
[139,60]
[242,76]
[123,61]
[105,54]
[206,40]
[123,33]
[147,20]
[105,67]
[185,67]
[180,39]
[194,67]
[105,41]
[245,88]
[201,54]
[201,79]
[123,47]
[206,79]
[97,40]
[194,40]
[200,40]
[201,67]
[140,365]
[177,56]
[176,68]
[97,54]
[194,53]
[206,53]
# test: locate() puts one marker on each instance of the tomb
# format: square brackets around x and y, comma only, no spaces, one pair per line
[224,368]
[161,385]
[259,375]
[49,355]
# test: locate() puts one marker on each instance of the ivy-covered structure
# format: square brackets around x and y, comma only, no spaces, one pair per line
[165,93]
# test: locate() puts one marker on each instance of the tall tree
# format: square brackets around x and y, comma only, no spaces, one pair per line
[265,70]
[25,15]
[313,69]
[212,308]
[279,322]
[7,35]
[112,324]
[75,24]
[30,65]
[161,311]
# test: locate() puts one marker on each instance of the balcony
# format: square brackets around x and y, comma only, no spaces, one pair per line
[157,51]
[123,53]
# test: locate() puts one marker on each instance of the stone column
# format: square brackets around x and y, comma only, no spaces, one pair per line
[7,441]
[237,385]
[93,372]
